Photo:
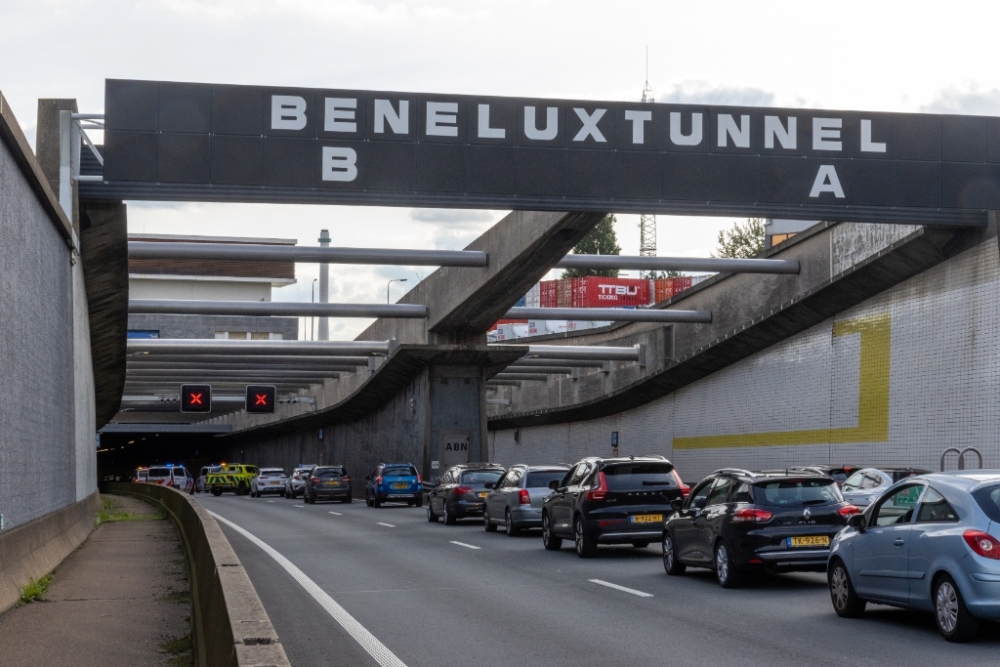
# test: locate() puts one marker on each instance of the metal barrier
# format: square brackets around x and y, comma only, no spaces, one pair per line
[961,456]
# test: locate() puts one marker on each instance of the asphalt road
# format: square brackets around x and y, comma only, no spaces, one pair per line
[435,603]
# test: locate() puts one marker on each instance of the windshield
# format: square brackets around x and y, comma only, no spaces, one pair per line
[399,471]
[639,475]
[797,492]
[542,478]
[480,477]
[324,473]
[272,472]
[989,501]
[853,482]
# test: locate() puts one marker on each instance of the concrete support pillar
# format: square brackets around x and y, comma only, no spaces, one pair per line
[457,417]
[324,286]
[47,146]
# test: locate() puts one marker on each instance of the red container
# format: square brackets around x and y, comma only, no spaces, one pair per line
[564,293]
[600,292]
[547,294]
[665,288]
[507,321]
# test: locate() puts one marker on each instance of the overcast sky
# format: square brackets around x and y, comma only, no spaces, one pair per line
[888,56]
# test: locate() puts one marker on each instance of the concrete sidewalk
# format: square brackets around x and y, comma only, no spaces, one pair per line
[122,598]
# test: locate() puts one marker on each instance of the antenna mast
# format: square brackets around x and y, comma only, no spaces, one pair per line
[647,223]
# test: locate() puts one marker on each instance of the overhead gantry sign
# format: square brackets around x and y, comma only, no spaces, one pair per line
[185,141]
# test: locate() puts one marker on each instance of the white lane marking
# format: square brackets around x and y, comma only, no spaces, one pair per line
[376,649]
[336,513]
[298,505]
[270,501]
[620,588]
[463,544]
[387,525]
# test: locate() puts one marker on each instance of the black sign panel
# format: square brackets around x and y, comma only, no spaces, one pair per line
[183,141]
[261,398]
[196,398]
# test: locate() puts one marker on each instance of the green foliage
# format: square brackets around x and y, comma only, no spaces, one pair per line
[34,590]
[111,513]
[600,241]
[182,650]
[742,241]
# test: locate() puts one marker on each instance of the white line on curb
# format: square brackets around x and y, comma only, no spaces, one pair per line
[336,513]
[463,544]
[387,525]
[620,588]
[376,649]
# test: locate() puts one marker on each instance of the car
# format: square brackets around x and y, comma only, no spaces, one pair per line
[141,475]
[176,477]
[610,501]
[928,543]
[201,484]
[295,485]
[270,480]
[515,501]
[866,485]
[735,521]
[328,483]
[397,482]
[839,473]
[461,491]
[235,477]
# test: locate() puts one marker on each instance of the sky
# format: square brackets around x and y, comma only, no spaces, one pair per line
[878,56]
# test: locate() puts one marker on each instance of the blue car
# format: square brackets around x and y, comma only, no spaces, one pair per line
[930,543]
[394,482]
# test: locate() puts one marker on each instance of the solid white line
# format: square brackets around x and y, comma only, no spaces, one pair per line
[376,649]
[620,588]
[463,544]
[298,505]
[336,513]
[387,525]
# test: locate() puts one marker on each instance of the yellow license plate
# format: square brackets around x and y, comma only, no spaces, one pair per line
[483,494]
[333,483]
[647,518]
[809,541]
[401,485]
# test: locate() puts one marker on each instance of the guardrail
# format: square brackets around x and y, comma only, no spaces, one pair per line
[230,626]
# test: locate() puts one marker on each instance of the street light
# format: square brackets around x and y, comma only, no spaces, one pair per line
[312,323]
[394,280]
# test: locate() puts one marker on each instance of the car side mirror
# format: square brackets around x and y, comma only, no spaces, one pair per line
[859,521]
[676,504]
[554,485]
[490,485]
[700,503]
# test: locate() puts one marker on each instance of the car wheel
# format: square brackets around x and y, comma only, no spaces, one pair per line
[725,573]
[409,503]
[508,521]
[375,501]
[216,492]
[845,600]
[550,541]
[449,518]
[419,502]
[487,524]
[954,621]
[431,516]
[672,566]
[640,544]
[288,494]
[585,547]
[368,501]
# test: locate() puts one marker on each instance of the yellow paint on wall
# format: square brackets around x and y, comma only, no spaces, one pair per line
[873,398]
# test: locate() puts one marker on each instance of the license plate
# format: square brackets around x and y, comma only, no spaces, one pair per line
[483,494]
[646,518]
[275,483]
[400,485]
[809,541]
[333,483]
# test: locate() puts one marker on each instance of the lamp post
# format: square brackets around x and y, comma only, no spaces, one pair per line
[388,284]
[312,323]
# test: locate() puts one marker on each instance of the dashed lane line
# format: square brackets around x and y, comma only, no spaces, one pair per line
[387,525]
[463,544]
[376,649]
[336,513]
[620,588]
[298,505]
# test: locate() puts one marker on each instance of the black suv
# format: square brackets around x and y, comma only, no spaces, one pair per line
[461,491]
[610,501]
[735,520]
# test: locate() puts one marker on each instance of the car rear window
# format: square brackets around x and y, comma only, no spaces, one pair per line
[542,478]
[159,472]
[640,475]
[399,471]
[480,477]
[328,472]
[272,472]
[797,492]
[988,498]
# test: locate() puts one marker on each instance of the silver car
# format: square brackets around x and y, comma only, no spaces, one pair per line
[866,485]
[295,485]
[270,480]
[929,543]
[515,500]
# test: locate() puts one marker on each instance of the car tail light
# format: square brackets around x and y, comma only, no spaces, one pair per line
[315,480]
[462,490]
[346,479]
[982,543]
[602,488]
[378,480]
[523,497]
[685,489]
[849,510]
[419,481]
[751,515]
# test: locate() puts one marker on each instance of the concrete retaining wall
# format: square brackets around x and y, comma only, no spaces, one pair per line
[230,624]
[34,549]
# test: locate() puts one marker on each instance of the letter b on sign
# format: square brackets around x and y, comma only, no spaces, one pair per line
[339,164]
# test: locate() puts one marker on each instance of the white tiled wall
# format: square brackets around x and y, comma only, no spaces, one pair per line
[944,379]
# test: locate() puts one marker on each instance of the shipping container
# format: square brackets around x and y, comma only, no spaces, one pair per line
[602,292]
[531,299]
[665,288]
[564,293]
[547,294]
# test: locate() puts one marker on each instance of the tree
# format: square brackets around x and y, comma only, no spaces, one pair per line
[742,241]
[600,241]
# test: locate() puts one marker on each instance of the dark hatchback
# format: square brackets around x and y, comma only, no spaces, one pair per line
[610,501]
[735,521]
[328,483]
[461,492]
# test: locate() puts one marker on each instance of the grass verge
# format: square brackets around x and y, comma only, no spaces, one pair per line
[34,590]
[181,649]
[111,512]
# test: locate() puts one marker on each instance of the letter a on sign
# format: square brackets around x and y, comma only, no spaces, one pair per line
[827,181]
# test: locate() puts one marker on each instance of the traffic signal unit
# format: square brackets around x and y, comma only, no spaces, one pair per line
[196,398]
[261,398]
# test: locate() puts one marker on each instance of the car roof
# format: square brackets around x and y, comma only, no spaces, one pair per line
[554,467]
[761,475]
[272,470]
[477,465]
[645,458]
[397,464]
[966,480]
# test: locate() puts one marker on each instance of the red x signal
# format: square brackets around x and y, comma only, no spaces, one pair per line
[195,399]
[261,399]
